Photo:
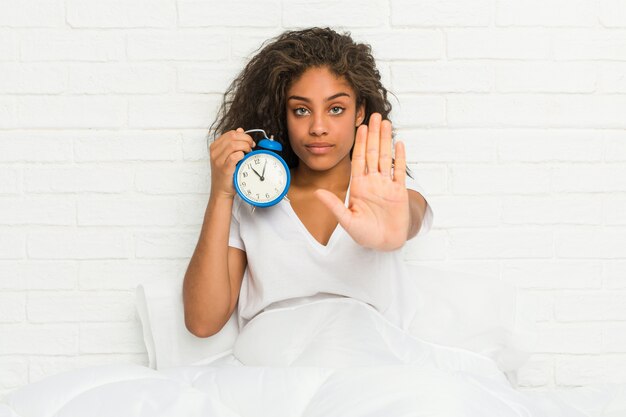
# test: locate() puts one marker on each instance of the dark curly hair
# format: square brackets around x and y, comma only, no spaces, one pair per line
[256,98]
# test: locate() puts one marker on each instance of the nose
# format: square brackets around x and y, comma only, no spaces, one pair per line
[318,125]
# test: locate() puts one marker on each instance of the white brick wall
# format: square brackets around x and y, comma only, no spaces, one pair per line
[513,112]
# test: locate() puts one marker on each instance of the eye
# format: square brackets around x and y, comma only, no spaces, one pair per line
[298,112]
[337,110]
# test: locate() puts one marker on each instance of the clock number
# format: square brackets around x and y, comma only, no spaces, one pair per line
[267,195]
[257,162]
[243,183]
[245,174]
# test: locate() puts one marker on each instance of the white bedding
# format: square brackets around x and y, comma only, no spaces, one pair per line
[335,357]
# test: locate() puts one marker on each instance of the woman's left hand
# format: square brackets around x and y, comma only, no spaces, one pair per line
[377,215]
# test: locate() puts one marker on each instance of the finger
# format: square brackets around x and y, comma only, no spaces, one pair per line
[240,135]
[385,148]
[399,166]
[358,153]
[232,160]
[336,206]
[373,143]
[235,147]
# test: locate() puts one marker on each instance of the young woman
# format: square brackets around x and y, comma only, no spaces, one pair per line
[350,207]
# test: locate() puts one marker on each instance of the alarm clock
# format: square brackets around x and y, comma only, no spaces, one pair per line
[262,177]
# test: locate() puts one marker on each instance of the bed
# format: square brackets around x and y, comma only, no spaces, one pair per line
[328,356]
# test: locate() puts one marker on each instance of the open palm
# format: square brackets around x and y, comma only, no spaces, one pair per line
[377,215]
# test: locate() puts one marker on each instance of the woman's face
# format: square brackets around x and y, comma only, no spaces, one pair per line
[322,118]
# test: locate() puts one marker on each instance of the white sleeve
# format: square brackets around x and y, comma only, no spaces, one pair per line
[427,222]
[234,237]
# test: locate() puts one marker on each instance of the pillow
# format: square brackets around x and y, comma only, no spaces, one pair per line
[473,312]
[455,309]
[168,342]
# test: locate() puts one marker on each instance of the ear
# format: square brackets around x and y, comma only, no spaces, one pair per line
[360,114]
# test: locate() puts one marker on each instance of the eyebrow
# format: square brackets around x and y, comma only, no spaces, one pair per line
[309,100]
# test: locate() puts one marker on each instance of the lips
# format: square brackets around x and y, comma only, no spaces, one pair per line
[319,148]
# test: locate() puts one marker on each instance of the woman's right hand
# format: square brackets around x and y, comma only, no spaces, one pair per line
[225,152]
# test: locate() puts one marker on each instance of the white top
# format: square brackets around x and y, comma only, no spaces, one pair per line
[287,266]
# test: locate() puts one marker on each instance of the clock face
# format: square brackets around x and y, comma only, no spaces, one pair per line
[262,178]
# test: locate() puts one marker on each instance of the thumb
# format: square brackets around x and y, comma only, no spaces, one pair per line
[336,206]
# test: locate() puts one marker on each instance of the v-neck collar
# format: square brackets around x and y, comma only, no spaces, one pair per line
[314,242]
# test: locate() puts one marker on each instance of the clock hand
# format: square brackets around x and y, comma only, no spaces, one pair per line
[263,173]
[258,175]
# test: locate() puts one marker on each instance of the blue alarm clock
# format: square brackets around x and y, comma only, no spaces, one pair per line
[262,177]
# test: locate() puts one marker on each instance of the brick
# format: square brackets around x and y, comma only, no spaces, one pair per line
[247,44]
[181,45]
[614,337]
[192,210]
[121,14]
[580,178]
[556,13]
[534,110]
[586,370]
[590,243]
[236,14]
[299,13]
[12,244]
[114,78]
[13,372]
[442,77]
[111,338]
[111,211]
[444,145]
[518,43]
[418,111]
[433,178]
[537,305]
[539,145]
[80,244]
[10,181]
[128,146]
[171,112]
[538,371]
[429,247]
[190,178]
[611,77]
[165,245]
[569,338]
[78,179]
[210,78]
[31,13]
[590,44]
[404,44]
[38,211]
[80,306]
[554,209]
[8,113]
[461,211]
[34,147]
[615,274]
[126,274]
[549,274]
[9,45]
[590,305]
[11,276]
[541,77]
[440,13]
[71,112]
[12,306]
[49,275]
[500,179]
[615,145]
[64,45]
[196,145]
[614,210]
[47,339]
[17,78]
[486,268]
[612,13]
[500,243]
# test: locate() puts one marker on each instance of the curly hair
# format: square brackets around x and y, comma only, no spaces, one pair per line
[256,98]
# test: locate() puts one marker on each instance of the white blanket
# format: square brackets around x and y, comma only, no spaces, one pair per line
[336,357]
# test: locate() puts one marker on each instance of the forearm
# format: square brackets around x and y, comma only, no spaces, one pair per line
[417,210]
[206,287]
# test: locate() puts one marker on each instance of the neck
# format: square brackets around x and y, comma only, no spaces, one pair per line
[335,179]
